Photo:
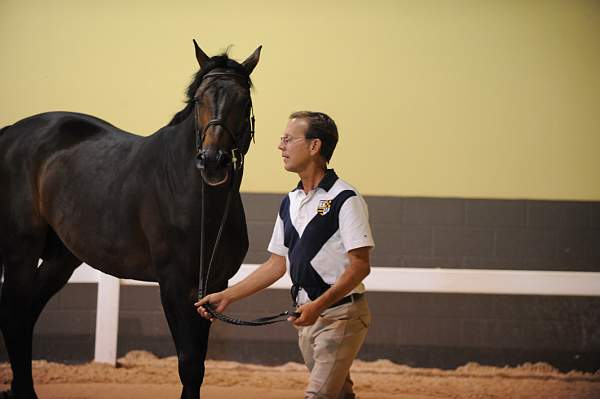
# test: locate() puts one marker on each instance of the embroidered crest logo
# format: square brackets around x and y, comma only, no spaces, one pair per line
[324,207]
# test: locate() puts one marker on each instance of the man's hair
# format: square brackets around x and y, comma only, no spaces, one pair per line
[322,127]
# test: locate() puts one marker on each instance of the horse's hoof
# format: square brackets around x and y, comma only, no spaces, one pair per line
[7,395]
[11,395]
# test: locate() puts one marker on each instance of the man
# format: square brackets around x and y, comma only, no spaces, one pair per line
[322,236]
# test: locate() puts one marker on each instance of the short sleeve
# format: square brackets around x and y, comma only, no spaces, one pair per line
[355,230]
[276,245]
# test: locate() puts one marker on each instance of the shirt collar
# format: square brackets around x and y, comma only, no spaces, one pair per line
[326,182]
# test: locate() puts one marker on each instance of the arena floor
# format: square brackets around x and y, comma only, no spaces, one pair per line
[142,375]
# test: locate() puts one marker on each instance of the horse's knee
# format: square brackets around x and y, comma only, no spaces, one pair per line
[191,360]
[191,368]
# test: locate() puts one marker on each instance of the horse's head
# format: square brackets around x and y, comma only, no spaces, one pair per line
[223,114]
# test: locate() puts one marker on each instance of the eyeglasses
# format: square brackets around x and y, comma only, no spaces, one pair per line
[285,140]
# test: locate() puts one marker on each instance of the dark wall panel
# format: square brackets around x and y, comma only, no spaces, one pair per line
[463,233]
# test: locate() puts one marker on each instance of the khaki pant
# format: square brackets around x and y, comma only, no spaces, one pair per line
[329,347]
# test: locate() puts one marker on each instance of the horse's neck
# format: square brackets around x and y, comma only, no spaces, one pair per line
[180,139]
[175,143]
[173,150]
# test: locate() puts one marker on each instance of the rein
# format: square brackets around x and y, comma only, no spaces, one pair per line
[203,283]
[261,321]
[237,161]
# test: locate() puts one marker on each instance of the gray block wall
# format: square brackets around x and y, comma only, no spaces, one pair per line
[418,329]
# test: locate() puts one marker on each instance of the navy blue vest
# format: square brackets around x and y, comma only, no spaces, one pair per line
[301,250]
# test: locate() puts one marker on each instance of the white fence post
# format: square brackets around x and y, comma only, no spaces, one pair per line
[107,319]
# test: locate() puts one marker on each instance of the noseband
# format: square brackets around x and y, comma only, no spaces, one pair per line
[241,142]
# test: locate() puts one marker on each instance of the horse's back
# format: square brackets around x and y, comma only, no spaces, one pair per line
[36,139]
[55,131]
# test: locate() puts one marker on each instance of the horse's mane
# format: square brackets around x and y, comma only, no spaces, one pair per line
[218,61]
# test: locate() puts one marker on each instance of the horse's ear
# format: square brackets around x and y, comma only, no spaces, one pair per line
[200,55]
[251,61]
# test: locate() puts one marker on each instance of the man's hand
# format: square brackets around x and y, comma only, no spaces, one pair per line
[265,275]
[309,313]
[218,300]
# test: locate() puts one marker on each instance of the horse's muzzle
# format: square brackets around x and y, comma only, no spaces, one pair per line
[214,166]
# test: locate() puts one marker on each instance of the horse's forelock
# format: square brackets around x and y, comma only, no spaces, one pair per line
[218,61]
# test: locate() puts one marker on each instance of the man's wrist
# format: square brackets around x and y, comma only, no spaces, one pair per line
[324,302]
[229,295]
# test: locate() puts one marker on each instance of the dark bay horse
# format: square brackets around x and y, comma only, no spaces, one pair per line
[74,188]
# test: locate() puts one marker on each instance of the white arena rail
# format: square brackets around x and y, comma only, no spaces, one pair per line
[389,279]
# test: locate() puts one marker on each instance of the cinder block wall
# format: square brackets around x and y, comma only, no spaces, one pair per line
[418,329]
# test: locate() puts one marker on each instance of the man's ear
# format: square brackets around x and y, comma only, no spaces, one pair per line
[315,146]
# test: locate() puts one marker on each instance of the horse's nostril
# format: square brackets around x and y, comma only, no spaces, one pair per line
[223,159]
[201,159]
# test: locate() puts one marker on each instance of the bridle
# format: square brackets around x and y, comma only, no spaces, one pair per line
[241,144]
[235,159]
[241,141]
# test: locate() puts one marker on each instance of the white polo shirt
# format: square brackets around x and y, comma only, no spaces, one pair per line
[315,231]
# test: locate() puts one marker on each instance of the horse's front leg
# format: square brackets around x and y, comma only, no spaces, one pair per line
[189,330]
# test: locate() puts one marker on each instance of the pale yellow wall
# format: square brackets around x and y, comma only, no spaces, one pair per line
[492,99]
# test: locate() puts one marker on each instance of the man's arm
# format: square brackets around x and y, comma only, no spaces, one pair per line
[357,270]
[265,275]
